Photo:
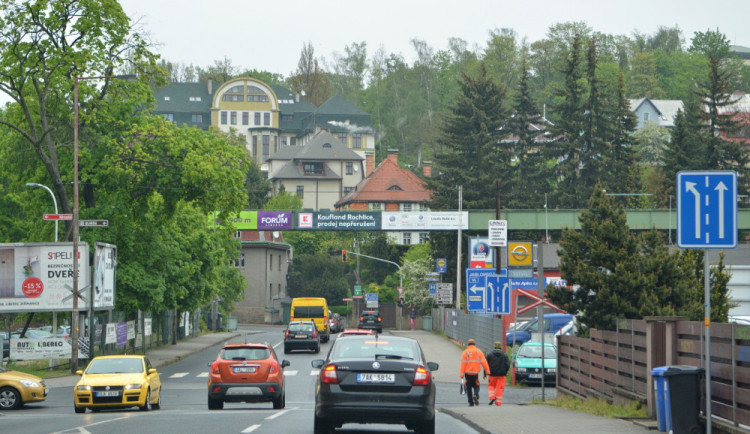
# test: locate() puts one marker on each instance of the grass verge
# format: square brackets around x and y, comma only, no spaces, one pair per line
[40,368]
[596,406]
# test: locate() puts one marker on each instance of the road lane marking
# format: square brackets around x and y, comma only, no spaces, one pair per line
[203,374]
[179,374]
[288,373]
[275,415]
[251,428]
[315,372]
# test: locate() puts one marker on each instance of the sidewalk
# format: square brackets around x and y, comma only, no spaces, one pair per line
[509,418]
[163,356]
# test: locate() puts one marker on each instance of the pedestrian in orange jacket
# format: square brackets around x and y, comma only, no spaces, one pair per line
[472,363]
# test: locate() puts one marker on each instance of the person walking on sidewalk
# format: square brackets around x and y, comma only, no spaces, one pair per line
[472,363]
[499,365]
[413,317]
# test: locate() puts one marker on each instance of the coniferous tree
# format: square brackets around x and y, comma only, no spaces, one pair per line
[686,149]
[623,173]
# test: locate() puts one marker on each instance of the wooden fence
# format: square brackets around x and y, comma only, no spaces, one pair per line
[616,365]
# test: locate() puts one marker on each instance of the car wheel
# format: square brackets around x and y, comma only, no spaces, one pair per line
[157,406]
[322,426]
[79,409]
[10,398]
[215,404]
[427,427]
[317,349]
[147,404]
[280,402]
[286,350]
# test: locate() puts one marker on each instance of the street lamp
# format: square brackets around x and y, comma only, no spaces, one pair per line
[34,184]
[74,315]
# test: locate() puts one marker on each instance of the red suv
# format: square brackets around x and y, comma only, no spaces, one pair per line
[246,373]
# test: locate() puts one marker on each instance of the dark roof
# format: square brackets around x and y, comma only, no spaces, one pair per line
[296,171]
[179,98]
[323,146]
[339,106]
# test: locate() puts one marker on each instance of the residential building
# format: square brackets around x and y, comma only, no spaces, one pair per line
[321,171]
[391,188]
[185,104]
[740,108]
[660,111]
[264,262]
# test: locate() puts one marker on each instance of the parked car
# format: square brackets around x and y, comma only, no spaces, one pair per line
[371,319]
[301,335]
[246,372]
[356,332]
[374,379]
[528,362]
[552,323]
[63,331]
[19,388]
[118,382]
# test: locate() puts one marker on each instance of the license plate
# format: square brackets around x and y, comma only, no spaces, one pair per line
[301,336]
[108,393]
[535,375]
[376,378]
[244,369]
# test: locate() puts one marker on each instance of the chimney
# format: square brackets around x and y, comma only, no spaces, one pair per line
[369,163]
[210,87]
[393,155]
[427,169]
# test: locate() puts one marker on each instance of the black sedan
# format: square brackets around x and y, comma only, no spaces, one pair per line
[375,379]
[301,335]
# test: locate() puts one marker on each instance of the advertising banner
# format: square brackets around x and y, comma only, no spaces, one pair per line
[105,263]
[39,276]
[245,220]
[274,220]
[424,221]
[481,255]
[339,221]
[47,348]
[111,336]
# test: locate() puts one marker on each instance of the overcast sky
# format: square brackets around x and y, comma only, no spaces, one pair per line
[269,35]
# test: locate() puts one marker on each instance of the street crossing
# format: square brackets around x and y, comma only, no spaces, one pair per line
[204,374]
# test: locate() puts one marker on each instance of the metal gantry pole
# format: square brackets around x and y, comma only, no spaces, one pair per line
[458,248]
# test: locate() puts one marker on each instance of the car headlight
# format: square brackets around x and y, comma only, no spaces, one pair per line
[83,387]
[29,383]
[520,369]
[132,386]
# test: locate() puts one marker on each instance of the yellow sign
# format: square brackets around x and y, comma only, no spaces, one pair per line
[520,254]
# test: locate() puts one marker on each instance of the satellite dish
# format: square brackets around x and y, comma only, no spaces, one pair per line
[275,234]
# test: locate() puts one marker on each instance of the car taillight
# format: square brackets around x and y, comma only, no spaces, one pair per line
[328,375]
[421,377]
[361,318]
[315,334]
[215,367]
[274,367]
[286,335]
[380,319]
[291,318]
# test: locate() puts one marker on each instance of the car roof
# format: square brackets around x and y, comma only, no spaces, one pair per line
[245,345]
[121,356]
[358,331]
[538,344]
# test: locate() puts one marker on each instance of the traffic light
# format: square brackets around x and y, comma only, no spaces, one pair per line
[343,256]
[400,301]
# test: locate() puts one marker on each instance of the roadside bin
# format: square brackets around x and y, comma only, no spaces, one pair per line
[682,390]
[427,323]
[660,391]
[231,323]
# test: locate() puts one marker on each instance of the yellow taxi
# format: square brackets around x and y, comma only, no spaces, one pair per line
[118,382]
[19,388]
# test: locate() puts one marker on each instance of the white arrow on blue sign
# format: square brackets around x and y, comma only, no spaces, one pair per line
[707,209]
[498,294]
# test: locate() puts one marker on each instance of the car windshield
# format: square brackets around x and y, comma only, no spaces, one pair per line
[308,311]
[370,348]
[370,314]
[245,353]
[300,328]
[124,365]
[535,352]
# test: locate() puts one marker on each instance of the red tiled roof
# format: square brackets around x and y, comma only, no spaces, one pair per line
[375,188]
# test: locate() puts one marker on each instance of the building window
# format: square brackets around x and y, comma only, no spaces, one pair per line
[169,116]
[195,99]
[349,167]
[313,168]
[287,118]
[197,118]
[275,143]
[645,116]
[242,260]
[233,94]
[257,118]
[377,206]
[255,147]
[357,141]
[245,118]
[270,262]
[342,138]
[166,98]
[283,140]
[301,190]
[266,147]
[406,207]
[256,94]
[223,118]
[423,237]
[348,189]
[395,188]
[279,270]
[293,141]
[238,235]
[233,118]
[407,238]
[266,119]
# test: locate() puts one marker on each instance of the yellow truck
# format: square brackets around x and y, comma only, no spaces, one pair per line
[313,309]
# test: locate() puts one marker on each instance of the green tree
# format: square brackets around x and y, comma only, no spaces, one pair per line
[318,276]
[309,79]
[651,141]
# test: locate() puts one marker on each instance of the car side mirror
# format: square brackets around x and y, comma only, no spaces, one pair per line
[79,372]
[151,371]
[285,363]
[317,363]
[433,366]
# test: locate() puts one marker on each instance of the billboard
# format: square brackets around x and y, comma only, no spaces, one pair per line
[339,220]
[105,264]
[256,220]
[481,255]
[424,221]
[39,276]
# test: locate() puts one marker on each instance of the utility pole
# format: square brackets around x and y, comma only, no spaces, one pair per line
[458,255]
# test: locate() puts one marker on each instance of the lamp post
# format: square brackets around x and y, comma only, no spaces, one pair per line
[74,315]
[54,200]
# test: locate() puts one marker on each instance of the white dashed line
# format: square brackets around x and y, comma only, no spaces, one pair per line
[315,372]
[179,374]
[203,374]
[251,428]
[288,373]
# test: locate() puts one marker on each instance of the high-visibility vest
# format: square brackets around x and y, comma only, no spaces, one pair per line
[473,361]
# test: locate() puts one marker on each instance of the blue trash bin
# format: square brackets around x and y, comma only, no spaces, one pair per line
[682,391]
[661,390]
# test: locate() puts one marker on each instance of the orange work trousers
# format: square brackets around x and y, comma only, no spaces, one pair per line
[496,389]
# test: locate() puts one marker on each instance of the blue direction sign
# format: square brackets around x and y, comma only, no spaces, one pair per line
[707,209]
[498,294]
[433,289]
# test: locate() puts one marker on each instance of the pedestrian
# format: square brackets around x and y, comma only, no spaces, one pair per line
[499,365]
[472,363]
[413,317]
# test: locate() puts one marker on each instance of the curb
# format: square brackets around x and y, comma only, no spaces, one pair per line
[465,420]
